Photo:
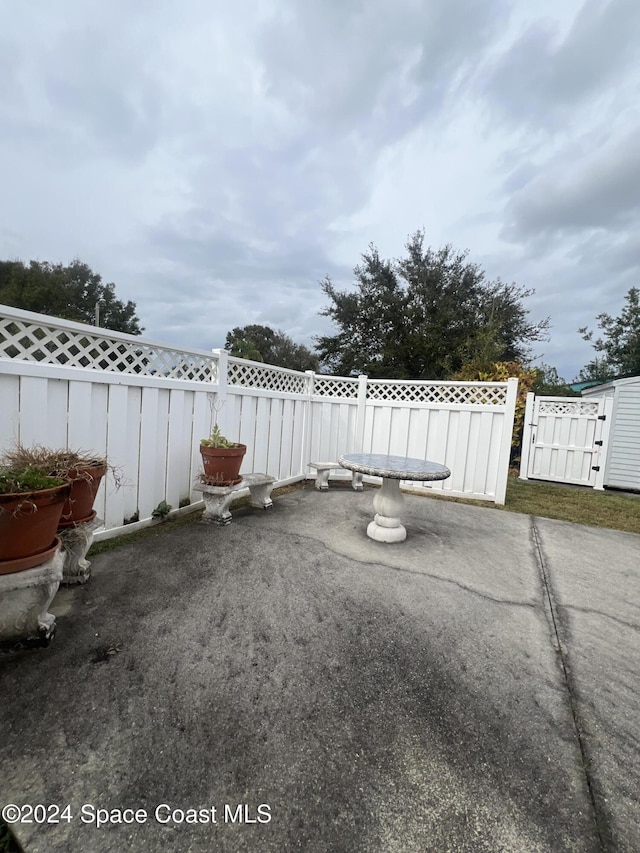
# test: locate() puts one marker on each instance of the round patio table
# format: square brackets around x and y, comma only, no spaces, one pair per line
[389,501]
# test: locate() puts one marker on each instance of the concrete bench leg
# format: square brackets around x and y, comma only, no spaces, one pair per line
[216,508]
[322,479]
[261,495]
[356,481]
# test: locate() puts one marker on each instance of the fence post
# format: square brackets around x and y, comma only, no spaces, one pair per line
[505,445]
[217,414]
[526,435]
[362,412]
[306,437]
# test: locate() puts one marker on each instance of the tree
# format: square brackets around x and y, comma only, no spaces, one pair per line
[372,322]
[262,343]
[597,372]
[70,292]
[424,316]
[620,346]
[549,384]
[241,347]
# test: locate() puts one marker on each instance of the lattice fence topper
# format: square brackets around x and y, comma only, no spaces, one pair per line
[568,407]
[335,386]
[482,394]
[30,341]
[252,375]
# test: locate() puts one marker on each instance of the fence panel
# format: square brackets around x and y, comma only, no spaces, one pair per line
[332,429]
[472,441]
[271,424]
[145,427]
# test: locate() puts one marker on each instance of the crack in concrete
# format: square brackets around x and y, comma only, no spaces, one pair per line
[592,610]
[424,574]
[600,819]
[462,586]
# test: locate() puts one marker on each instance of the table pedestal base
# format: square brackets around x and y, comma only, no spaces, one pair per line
[388,504]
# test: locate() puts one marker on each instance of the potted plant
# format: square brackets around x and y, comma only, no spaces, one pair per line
[30,508]
[221,459]
[83,471]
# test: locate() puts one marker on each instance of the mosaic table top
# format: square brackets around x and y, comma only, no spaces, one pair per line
[394,467]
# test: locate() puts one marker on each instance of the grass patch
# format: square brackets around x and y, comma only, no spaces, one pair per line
[578,504]
[146,533]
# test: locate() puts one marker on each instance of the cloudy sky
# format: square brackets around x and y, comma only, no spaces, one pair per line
[216,160]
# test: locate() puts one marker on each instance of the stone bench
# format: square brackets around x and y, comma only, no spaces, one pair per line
[218,499]
[323,469]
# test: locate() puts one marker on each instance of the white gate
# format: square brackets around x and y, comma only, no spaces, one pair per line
[564,439]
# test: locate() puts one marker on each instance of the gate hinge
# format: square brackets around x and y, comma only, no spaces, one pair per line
[602,417]
[595,467]
[598,443]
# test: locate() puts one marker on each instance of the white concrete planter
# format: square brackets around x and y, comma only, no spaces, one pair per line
[24,600]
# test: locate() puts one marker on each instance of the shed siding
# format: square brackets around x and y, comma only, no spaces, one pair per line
[623,468]
[599,391]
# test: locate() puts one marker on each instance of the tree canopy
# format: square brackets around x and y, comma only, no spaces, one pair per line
[262,343]
[549,384]
[424,316]
[70,292]
[620,346]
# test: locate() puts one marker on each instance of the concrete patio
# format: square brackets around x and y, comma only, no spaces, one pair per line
[474,688]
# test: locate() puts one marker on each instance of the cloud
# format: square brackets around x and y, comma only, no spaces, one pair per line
[542,75]
[374,69]
[602,190]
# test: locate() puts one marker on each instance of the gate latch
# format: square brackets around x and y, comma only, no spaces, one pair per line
[598,443]
[595,467]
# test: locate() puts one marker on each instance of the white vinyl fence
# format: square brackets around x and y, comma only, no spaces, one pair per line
[146,406]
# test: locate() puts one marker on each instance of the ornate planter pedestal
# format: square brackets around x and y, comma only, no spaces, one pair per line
[24,599]
[76,541]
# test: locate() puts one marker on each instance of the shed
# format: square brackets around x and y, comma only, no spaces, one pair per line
[622,466]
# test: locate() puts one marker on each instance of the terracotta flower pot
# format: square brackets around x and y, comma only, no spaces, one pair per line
[85,482]
[28,523]
[222,464]
[21,564]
